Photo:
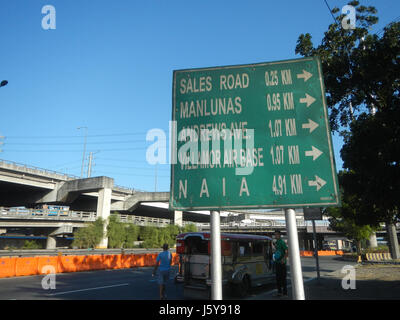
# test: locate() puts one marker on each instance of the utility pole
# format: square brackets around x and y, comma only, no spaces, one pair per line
[84,149]
[90,164]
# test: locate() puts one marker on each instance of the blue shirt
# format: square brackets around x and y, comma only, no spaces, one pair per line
[165,257]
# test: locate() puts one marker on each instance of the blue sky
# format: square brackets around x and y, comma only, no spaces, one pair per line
[108,67]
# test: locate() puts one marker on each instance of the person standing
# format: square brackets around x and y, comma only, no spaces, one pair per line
[163,263]
[280,258]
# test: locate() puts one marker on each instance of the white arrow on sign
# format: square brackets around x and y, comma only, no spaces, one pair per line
[315,153]
[318,182]
[305,75]
[310,125]
[308,99]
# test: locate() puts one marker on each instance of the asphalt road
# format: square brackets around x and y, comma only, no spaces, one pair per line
[124,284]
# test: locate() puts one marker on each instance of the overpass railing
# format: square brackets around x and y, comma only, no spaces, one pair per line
[266,224]
[65,176]
[80,215]
[37,169]
[50,213]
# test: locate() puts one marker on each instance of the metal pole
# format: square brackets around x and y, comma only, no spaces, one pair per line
[90,164]
[216,266]
[84,150]
[315,247]
[294,255]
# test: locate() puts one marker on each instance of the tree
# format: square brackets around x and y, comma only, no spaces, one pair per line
[132,233]
[116,232]
[362,78]
[342,54]
[90,236]
[190,228]
[348,218]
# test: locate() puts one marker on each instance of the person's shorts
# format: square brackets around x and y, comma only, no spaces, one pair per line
[163,276]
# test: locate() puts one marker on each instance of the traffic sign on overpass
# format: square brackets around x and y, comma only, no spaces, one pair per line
[252,136]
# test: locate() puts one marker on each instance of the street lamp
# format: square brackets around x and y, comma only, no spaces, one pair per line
[84,149]
[3,83]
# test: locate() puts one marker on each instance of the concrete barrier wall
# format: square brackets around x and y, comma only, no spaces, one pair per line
[378,256]
[18,266]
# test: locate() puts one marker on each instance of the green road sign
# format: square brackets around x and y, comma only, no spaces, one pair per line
[270,144]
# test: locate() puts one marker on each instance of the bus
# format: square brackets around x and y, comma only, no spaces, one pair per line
[246,262]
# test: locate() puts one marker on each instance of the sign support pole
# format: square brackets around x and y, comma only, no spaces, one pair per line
[315,248]
[216,267]
[294,255]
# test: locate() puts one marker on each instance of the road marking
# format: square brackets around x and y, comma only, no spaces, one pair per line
[97,288]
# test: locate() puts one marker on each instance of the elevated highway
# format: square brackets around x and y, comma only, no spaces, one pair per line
[30,187]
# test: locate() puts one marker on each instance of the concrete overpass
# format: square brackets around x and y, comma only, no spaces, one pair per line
[23,185]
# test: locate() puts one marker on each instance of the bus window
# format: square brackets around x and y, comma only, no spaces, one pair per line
[244,249]
[195,245]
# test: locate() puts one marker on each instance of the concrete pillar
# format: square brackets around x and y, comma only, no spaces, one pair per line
[339,244]
[51,242]
[178,219]
[373,243]
[103,211]
[393,241]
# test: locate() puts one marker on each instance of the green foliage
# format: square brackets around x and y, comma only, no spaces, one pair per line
[90,236]
[190,228]
[358,66]
[31,244]
[132,233]
[361,74]
[116,232]
[155,237]
[123,235]
[350,218]
[379,249]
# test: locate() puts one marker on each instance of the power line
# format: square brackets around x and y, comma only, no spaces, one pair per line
[80,137]
[130,174]
[74,143]
[333,16]
[63,151]
[121,160]
[123,167]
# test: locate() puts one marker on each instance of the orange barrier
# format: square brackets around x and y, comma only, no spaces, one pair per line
[96,262]
[175,258]
[127,261]
[139,260]
[66,264]
[81,263]
[13,266]
[26,266]
[7,267]
[44,262]
[304,253]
